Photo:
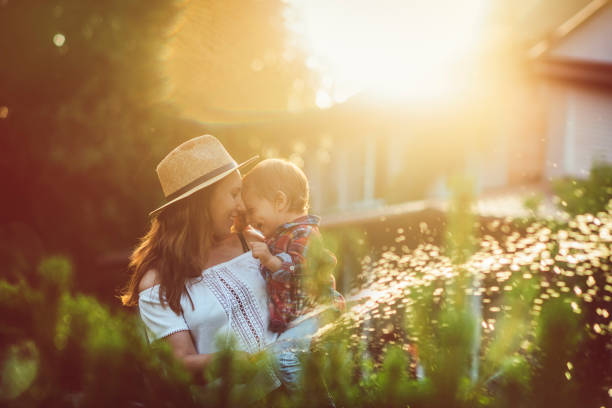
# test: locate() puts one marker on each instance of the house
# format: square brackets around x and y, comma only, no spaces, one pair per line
[559,123]
[574,66]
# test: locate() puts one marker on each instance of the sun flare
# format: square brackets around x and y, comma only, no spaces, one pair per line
[406,49]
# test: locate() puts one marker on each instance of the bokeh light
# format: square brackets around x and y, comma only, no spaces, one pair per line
[59,40]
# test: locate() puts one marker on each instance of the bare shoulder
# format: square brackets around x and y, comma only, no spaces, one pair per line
[149,279]
[252,235]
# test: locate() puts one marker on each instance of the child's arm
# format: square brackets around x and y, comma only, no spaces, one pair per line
[262,252]
[293,261]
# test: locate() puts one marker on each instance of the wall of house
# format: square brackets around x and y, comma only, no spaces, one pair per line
[579,129]
[579,120]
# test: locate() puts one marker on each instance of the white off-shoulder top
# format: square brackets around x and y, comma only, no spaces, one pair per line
[228,299]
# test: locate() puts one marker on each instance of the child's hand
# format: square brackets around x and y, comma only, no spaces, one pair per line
[261,252]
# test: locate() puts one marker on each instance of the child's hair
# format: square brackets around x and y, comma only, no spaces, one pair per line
[272,175]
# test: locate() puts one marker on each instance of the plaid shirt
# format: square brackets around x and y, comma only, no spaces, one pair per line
[304,278]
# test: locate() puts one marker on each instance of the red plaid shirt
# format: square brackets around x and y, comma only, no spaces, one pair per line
[289,296]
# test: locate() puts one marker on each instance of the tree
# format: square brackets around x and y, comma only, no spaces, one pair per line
[86,108]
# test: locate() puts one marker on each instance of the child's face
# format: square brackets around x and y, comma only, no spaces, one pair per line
[260,213]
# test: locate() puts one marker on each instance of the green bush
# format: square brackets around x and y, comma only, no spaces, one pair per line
[586,196]
[523,321]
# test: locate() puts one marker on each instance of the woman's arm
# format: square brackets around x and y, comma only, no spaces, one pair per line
[184,350]
[180,342]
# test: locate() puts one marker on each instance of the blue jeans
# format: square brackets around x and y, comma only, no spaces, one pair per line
[288,347]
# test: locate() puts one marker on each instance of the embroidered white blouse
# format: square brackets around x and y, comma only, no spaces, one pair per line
[228,298]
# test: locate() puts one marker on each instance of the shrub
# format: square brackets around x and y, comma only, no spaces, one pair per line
[523,321]
[586,196]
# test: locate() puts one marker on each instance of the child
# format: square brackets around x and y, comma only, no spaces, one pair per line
[296,267]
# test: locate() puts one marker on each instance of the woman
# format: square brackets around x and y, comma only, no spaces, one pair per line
[192,277]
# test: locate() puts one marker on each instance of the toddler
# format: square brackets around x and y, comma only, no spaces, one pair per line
[296,267]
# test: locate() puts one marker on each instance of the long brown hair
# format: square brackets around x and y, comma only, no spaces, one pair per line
[176,247]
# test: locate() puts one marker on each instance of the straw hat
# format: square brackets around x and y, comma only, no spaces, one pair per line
[193,165]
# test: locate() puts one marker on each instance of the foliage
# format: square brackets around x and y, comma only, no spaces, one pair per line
[508,327]
[524,321]
[461,221]
[87,110]
[68,350]
[84,104]
[235,61]
[586,196]
[532,203]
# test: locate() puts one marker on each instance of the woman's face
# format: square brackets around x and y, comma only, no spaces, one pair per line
[226,204]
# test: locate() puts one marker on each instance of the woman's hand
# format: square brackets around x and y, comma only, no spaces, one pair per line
[184,350]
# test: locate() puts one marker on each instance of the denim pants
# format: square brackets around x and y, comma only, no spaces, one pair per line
[288,347]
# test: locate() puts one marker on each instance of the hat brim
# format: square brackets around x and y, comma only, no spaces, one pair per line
[203,184]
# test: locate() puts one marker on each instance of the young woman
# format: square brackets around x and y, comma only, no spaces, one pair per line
[193,278]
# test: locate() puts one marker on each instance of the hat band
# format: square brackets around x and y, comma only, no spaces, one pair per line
[200,180]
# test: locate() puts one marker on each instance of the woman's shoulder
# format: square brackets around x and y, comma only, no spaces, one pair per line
[149,279]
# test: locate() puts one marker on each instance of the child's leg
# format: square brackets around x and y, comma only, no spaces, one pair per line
[288,347]
[289,369]
[301,333]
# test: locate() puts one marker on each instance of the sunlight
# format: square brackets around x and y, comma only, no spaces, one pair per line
[405,49]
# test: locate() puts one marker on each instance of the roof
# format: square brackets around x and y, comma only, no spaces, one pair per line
[567,27]
[562,58]
[573,70]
